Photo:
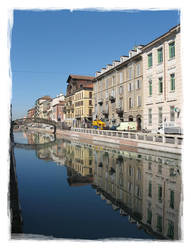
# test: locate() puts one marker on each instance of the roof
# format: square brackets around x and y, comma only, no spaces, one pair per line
[46,97]
[60,103]
[80,77]
[31,109]
[175,28]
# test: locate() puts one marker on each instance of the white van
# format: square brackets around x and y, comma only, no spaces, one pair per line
[127,126]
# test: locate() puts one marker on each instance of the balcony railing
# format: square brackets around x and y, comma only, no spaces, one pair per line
[100,101]
[105,111]
[112,98]
[119,111]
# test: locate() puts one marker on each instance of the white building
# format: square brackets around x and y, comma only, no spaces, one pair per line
[162,81]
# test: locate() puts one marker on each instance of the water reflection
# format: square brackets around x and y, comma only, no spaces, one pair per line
[32,137]
[144,187]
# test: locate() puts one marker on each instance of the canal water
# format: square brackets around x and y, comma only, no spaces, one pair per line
[74,190]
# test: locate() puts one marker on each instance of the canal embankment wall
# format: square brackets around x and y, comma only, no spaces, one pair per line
[156,142]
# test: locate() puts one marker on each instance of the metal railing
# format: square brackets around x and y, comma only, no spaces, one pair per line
[135,136]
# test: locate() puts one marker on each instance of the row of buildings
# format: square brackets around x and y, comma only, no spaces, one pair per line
[145,86]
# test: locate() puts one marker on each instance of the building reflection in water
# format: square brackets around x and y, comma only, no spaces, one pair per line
[144,187]
[38,138]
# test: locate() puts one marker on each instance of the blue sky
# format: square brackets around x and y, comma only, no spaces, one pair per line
[47,46]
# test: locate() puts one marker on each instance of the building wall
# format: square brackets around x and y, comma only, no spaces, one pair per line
[117,84]
[168,98]
[160,174]
[31,113]
[83,106]
[77,100]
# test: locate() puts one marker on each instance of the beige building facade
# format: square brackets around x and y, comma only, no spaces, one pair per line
[118,90]
[162,81]
[83,107]
[42,106]
[78,101]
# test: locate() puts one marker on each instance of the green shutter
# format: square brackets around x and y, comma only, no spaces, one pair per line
[150,60]
[172,50]
[160,55]
[150,88]
[172,81]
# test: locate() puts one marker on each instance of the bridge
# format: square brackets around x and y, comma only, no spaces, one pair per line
[25,121]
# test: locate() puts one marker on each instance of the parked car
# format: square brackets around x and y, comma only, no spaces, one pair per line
[169,130]
[113,127]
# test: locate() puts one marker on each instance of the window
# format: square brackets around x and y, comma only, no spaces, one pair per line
[90,102]
[106,84]
[106,94]
[95,87]
[130,171]
[129,87]
[172,82]
[160,115]
[150,189]
[172,199]
[138,101]
[138,84]
[130,73]
[160,55]
[170,231]
[121,77]
[120,103]
[150,88]
[160,85]
[172,50]
[172,114]
[130,102]
[150,60]
[150,116]
[159,223]
[150,165]
[100,86]
[137,191]
[138,69]
[113,93]
[113,80]
[159,193]
[121,90]
[129,186]
[90,112]
[138,174]
[159,169]
[90,95]
[149,216]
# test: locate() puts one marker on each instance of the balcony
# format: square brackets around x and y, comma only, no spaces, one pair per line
[77,116]
[119,111]
[100,101]
[105,111]
[112,98]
